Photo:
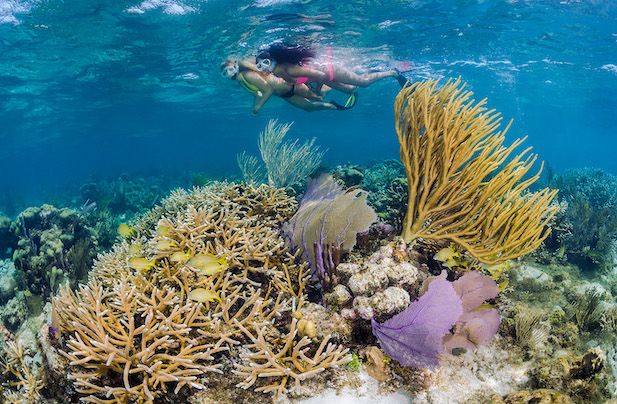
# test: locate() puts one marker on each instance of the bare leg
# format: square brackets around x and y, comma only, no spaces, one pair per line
[305,91]
[307,105]
[345,88]
[345,76]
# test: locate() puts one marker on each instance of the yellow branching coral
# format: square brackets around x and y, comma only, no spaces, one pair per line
[464,185]
[130,341]
[160,312]
[280,369]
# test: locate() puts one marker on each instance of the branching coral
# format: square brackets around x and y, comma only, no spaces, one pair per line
[130,341]
[464,184]
[20,383]
[283,368]
[138,330]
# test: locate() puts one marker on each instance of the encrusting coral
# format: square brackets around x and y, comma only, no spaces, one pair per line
[465,186]
[169,309]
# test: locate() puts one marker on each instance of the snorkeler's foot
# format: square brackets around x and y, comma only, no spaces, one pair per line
[349,104]
[338,106]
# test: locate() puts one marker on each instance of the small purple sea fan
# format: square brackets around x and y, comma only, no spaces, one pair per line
[414,337]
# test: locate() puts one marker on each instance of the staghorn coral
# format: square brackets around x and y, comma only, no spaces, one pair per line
[134,332]
[286,163]
[290,363]
[273,204]
[131,340]
[463,185]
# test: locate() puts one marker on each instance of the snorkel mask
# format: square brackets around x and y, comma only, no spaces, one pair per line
[230,71]
[265,64]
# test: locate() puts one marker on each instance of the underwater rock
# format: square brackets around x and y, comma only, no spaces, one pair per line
[350,175]
[391,301]
[8,239]
[8,283]
[14,312]
[369,281]
[339,296]
[326,322]
[381,284]
[376,364]
[55,245]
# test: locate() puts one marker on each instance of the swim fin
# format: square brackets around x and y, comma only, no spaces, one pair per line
[402,80]
[351,101]
[349,104]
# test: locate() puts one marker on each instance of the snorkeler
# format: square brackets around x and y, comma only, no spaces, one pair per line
[263,85]
[296,64]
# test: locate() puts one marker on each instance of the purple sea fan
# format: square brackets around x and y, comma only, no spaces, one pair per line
[477,325]
[327,223]
[414,337]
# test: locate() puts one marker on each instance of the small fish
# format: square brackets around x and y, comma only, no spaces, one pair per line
[446,254]
[164,245]
[125,230]
[208,264]
[141,263]
[163,230]
[180,256]
[203,295]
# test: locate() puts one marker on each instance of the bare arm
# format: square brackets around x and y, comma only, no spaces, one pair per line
[264,93]
[248,64]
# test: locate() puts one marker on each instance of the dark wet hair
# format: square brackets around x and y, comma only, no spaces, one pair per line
[285,53]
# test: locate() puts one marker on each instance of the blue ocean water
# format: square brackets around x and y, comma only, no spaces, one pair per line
[97,88]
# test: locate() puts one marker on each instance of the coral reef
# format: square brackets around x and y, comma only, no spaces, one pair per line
[8,240]
[284,163]
[464,185]
[586,226]
[387,188]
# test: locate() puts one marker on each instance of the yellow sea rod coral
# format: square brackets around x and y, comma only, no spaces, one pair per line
[464,185]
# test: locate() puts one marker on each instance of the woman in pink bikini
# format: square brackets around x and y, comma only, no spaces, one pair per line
[296,64]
